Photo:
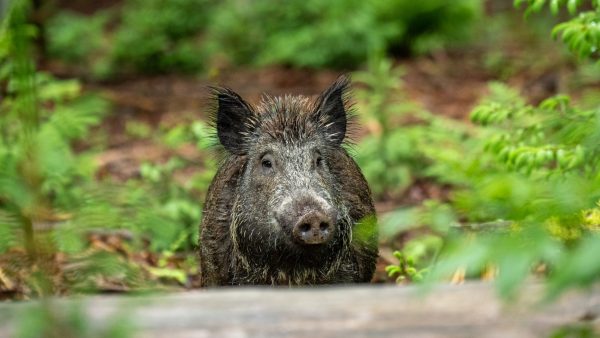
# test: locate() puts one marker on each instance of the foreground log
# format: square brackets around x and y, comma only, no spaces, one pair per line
[470,310]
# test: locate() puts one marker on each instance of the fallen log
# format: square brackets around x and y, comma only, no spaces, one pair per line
[468,310]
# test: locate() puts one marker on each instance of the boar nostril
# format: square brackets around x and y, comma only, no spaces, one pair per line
[324,226]
[304,227]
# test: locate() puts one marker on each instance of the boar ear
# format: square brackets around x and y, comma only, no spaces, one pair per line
[331,110]
[234,120]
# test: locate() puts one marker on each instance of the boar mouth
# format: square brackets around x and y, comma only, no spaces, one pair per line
[295,254]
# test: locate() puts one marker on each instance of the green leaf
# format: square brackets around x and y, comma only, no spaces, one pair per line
[572,6]
[168,273]
[554,6]
[579,268]
[9,226]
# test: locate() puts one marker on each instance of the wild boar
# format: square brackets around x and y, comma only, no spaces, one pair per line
[288,205]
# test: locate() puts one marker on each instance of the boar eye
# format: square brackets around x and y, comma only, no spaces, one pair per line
[319,161]
[267,162]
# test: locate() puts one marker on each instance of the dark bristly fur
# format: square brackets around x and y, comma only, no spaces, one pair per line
[243,240]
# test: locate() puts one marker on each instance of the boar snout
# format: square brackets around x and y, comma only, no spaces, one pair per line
[308,222]
[314,227]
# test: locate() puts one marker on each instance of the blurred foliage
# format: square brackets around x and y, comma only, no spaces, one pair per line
[50,320]
[63,228]
[581,330]
[336,34]
[580,33]
[387,155]
[392,158]
[553,137]
[190,36]
[148,37]
[79,41]
[525,189]
[159,36]
[512,46]
[415,259]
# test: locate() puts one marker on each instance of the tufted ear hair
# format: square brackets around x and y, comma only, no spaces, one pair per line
[234,120]
[330,110]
